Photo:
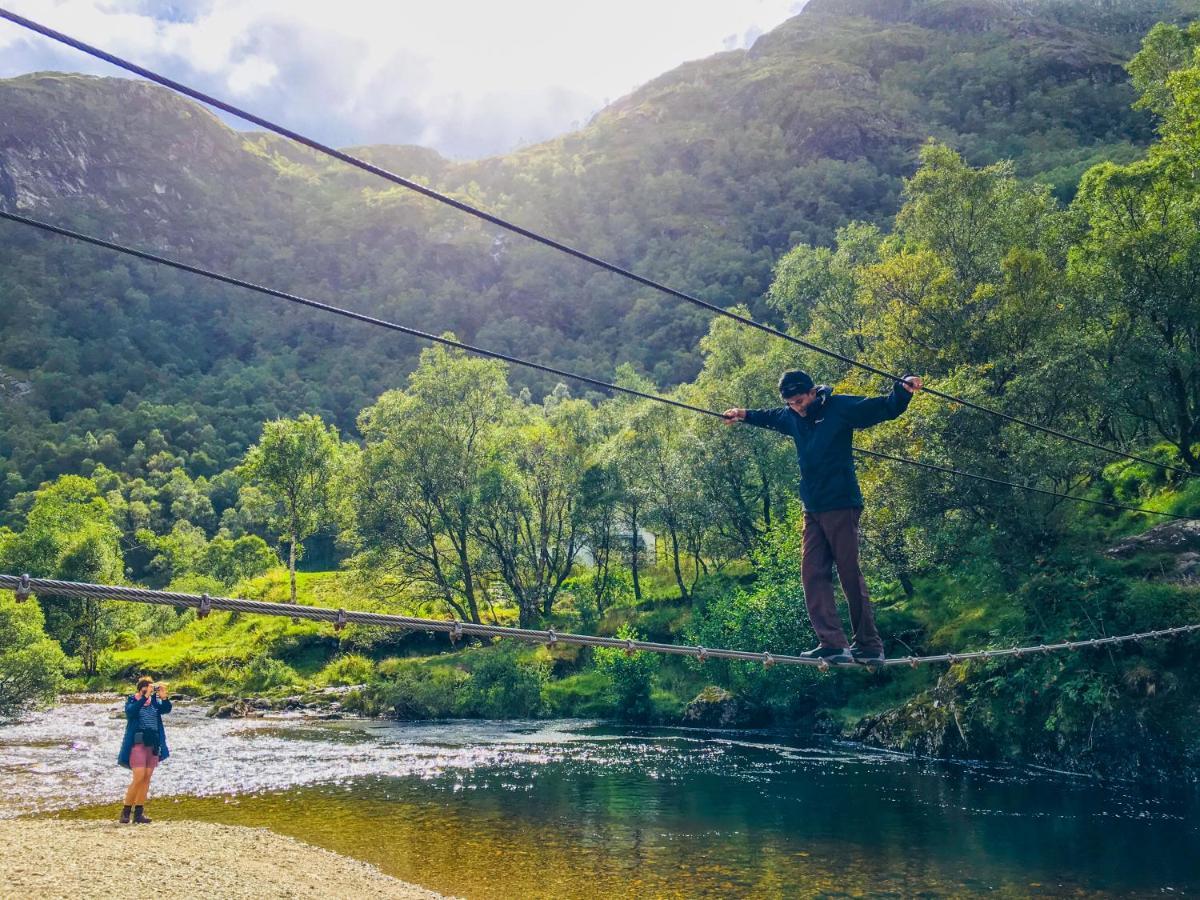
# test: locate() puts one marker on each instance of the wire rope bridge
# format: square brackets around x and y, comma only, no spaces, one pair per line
[24,586]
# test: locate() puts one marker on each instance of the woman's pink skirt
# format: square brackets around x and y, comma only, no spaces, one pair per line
[142,757]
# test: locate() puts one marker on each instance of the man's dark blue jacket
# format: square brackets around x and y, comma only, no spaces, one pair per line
[133,705]
[823,441]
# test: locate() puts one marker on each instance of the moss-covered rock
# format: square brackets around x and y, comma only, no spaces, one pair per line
[715,707]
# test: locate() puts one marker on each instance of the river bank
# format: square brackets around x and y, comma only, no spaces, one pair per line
[188,859]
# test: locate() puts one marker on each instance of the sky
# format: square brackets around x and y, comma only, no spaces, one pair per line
[467,78]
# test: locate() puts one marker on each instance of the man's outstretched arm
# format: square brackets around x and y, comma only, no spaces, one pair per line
[774,419]
[873,410]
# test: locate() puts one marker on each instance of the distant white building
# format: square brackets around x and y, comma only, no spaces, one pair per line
[621,544]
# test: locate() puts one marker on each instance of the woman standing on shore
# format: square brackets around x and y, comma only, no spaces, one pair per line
[145,744]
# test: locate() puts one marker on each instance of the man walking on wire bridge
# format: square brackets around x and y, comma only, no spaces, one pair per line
[822,425]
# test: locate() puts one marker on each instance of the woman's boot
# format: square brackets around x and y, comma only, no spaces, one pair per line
[125,814]
[139,817]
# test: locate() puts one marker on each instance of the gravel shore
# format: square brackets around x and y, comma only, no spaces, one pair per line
[61,858]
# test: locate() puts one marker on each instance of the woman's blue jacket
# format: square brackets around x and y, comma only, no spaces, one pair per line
[133,705]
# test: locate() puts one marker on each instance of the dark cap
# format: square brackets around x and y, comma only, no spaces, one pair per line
[793,383]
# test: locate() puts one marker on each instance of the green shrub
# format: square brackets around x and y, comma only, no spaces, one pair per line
[349,669]
[391,667]
[590,596]
[505,684]
[586,695]
[360,701]
[630,677]
[305,648]
[124,640]
[419,693]
[266,672]
[32,667]
[220,675]
[157,621]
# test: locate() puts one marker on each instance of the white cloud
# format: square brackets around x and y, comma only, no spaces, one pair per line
[466,77]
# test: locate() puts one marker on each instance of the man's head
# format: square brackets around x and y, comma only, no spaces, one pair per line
[797,390]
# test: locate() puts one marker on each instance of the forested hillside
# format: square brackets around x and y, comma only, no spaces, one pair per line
[999,196]
[703,178]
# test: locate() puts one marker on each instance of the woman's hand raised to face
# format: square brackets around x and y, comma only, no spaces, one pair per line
[162,692]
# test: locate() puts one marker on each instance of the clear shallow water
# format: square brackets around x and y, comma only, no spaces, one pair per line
[572,809]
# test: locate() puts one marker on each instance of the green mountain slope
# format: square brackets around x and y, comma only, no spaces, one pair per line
[702,178]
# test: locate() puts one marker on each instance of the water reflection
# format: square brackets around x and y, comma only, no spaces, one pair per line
[573,809]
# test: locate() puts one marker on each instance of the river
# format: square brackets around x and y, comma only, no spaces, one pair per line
[577,809]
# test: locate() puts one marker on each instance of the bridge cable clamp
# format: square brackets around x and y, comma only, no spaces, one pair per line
[340,622]
[456,632]
[205,606]
[768,660]
[702,654]
[23,589]
[551,638]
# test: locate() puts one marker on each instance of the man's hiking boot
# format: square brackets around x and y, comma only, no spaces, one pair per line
[835,656]
[867,657]
[140,817]
[125,811]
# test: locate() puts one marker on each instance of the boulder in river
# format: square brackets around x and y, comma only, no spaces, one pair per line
[929,724]
[715,707]
[234,709]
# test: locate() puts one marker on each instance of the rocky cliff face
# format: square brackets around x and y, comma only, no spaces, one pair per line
[1177,542]
[113,144]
